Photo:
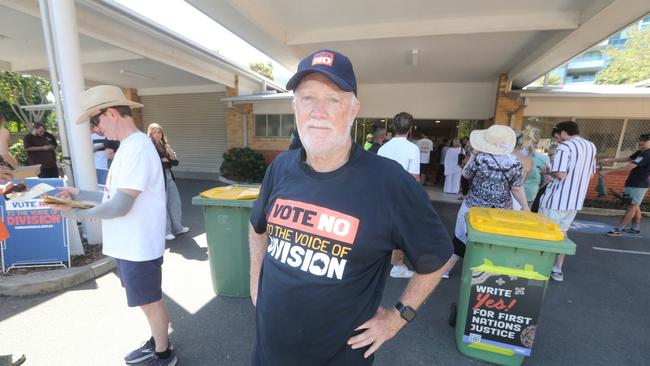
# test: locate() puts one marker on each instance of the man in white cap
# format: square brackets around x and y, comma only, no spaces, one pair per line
[132,211]
[321,241]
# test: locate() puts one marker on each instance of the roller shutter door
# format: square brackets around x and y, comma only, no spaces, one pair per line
[195,125]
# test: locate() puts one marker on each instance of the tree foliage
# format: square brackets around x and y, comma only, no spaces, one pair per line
[20,90]
[629,64]
[265,69]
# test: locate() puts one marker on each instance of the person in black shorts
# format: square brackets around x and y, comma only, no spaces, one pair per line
[636,186]
[132,209]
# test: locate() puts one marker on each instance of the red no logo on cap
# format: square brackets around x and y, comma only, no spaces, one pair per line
[323,58]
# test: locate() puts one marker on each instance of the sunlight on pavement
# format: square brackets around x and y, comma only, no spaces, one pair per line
[187,281]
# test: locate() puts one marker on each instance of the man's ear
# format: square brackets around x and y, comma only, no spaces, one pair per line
[113,113]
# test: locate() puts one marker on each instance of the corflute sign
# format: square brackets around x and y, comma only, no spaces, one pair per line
[503,311]
[37,236]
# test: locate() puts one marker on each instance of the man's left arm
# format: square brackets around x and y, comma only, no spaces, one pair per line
[387,322]
[425,241]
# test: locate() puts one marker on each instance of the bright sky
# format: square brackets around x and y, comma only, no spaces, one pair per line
[184,19]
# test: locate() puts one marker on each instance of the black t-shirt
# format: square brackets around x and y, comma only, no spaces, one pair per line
[47,158]
[638,177]
[330,240]
[374,148]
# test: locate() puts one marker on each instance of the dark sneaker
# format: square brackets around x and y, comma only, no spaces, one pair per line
[632,231]
[614,232]
[169,361]
[145,352]
[558,276]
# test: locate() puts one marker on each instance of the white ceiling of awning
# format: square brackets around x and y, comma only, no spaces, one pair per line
[117,48]
[457,41]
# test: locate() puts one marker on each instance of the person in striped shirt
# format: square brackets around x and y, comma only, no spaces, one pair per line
[573,165]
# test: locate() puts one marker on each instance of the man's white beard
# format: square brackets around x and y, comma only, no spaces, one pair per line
[324,148]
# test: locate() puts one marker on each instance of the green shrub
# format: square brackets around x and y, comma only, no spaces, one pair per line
[17,150]
[243,165]
[616,204]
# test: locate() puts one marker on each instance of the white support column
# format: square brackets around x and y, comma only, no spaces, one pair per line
[65,37]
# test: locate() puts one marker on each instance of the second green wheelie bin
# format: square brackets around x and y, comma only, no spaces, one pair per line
[506,268]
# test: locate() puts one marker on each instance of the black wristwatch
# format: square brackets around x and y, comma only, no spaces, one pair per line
[406,312]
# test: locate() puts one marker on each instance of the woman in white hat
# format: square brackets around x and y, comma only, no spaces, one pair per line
[495,176]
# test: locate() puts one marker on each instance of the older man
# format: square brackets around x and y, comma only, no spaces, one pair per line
[132,210]
[321,246]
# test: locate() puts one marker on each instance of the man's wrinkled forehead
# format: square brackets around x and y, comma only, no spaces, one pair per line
[316,79]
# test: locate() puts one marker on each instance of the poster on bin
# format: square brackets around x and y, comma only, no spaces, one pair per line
[503,311]
[37,236]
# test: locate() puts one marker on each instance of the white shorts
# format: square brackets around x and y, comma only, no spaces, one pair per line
[563,218]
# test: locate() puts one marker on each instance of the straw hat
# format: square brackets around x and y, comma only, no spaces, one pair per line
[102,96]
[496,140]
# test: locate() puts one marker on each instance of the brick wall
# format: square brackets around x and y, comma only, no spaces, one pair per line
[269,147]
[615,181]
[505,105]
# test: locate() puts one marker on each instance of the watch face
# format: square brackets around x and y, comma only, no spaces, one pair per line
[406,312]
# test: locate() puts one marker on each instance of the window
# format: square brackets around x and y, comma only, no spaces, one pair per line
[287,124]
[273,125]
[260,125]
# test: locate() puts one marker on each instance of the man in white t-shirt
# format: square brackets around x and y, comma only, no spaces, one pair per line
[426,146]
[407,154]
[132,211]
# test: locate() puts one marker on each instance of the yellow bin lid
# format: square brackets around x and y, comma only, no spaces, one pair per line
[521,224]
[234,192]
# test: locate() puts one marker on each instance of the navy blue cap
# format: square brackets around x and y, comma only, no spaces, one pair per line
[336,66]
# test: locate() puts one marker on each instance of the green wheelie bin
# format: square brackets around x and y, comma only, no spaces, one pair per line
[226,211]
[507,265]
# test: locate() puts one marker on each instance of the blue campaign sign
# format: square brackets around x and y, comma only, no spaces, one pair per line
[37,236]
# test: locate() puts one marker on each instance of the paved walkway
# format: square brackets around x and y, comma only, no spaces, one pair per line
[598,316]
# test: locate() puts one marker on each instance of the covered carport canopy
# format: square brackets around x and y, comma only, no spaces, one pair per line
[436,58]
[83,43]
[120,47]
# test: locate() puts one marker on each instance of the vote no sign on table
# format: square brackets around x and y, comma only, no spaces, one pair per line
[37,236]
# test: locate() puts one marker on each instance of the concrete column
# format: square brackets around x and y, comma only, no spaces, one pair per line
[65,37]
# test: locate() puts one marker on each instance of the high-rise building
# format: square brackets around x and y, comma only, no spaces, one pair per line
[583,68]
